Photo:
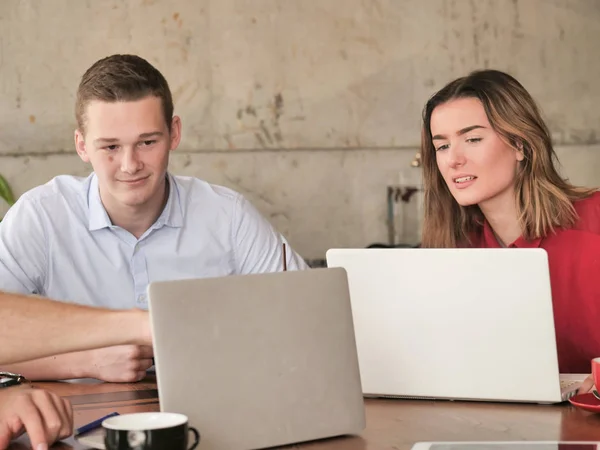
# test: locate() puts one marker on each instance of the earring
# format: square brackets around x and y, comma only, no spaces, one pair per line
[521,149]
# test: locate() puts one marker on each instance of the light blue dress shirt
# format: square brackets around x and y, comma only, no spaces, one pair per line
[58,241]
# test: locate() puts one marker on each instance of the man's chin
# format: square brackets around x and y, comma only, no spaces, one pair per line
[132,202]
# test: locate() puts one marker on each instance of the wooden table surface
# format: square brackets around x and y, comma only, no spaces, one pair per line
[391,424]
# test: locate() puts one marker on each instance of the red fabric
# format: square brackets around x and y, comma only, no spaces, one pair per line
[574,261]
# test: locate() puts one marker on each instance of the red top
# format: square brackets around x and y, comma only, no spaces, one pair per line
[574,260]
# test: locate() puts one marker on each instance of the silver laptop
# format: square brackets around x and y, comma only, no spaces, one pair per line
[260,360]
[471,324]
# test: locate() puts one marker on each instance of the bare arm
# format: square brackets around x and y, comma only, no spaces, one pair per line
[58,367]
[116,364]
[33,327]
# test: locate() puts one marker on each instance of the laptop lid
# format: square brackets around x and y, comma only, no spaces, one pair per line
[472,324]
[258,360]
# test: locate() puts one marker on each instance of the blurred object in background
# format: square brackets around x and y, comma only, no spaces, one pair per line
[316,263]
[405,207]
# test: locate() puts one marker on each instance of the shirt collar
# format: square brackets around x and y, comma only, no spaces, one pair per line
[98,217]
[171,216]
[490,240]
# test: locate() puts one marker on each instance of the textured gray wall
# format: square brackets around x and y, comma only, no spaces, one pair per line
[309,107]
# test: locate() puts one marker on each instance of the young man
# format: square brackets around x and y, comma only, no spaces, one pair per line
[101,240]
[34,327]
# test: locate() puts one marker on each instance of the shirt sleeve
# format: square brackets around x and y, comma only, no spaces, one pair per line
[258,247]
[23,249]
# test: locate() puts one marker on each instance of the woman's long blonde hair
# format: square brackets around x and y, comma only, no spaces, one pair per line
[544,199]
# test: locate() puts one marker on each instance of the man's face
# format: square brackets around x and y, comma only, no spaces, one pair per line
[128,145]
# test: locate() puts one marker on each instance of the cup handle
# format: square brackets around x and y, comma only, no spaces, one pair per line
[196,438]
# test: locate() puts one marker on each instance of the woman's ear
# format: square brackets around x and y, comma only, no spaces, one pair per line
[520,150]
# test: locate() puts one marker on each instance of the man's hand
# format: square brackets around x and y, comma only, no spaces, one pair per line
[120,364]
[586,386]
[45,416]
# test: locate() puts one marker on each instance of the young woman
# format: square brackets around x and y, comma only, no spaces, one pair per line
[490,181]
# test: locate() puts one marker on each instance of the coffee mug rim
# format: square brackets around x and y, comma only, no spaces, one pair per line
[112,423]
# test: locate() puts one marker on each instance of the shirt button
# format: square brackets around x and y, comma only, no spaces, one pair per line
[141,298]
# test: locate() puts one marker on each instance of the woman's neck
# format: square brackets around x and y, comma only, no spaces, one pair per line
[501,213]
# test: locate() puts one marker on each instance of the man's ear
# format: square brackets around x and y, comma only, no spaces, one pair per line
[175,134]
[80,146]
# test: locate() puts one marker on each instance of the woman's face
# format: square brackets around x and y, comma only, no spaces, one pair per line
[476,164]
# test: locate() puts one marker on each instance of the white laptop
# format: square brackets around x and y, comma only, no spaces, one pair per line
[469,324]
[258,361]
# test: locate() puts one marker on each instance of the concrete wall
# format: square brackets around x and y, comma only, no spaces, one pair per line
[309,107]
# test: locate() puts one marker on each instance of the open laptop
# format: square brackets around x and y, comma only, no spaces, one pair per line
[260,360]
[469,324]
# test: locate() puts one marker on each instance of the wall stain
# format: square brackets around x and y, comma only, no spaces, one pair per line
[454,13]
[543,60]
[517,30]
[279,214]
[474,20]
[183,48]
[374,6]
[19,91]
[262,121]
[229,141]
[265,131]
[370,43]
[32,119]
[278,105]
[220,165]
[582,137]
[260,140]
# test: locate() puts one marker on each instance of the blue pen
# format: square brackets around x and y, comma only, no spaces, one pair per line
[93,425]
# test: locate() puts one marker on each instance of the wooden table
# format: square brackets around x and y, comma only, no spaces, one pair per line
[391,424]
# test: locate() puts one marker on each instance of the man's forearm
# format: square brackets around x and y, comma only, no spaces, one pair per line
[59,367]
[34,328]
